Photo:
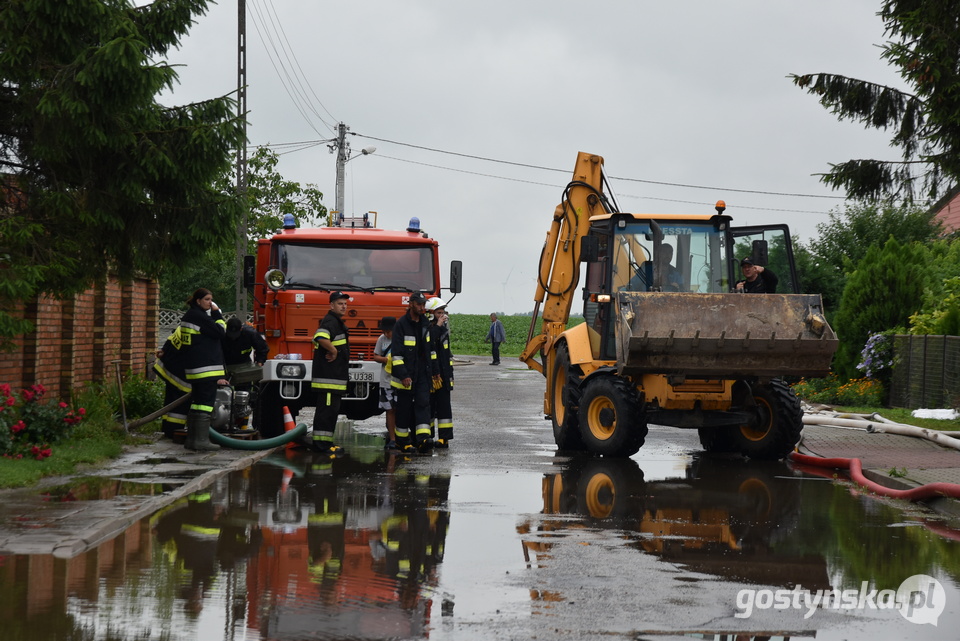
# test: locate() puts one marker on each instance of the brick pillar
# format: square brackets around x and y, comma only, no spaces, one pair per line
[98,361]
[30,353]
[68,356]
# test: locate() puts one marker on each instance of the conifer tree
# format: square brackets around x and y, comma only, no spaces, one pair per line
[96,173]
[882,293]
[924,44]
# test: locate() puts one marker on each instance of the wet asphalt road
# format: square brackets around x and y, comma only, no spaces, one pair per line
[541,545]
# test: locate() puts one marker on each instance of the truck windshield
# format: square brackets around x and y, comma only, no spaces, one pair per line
[691,258]
[357,267]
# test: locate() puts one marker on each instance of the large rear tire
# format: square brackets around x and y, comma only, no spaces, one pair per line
[564,403]
[611,417]
[776,427]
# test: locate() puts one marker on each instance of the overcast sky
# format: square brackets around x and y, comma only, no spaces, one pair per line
[689,93]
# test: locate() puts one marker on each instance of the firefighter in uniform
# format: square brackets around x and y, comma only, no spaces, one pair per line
[331,367]
[442,366]
[169,366]
[242,341]
[201,331]
[410,377]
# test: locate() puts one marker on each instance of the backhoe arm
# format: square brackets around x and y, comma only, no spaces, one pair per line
[559,270]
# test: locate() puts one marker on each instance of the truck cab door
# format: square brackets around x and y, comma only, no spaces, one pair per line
[769,246]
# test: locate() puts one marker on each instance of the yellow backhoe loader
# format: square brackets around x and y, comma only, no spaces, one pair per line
[668,339]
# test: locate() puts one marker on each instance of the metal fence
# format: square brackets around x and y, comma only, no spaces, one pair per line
[169,319]
[926,371]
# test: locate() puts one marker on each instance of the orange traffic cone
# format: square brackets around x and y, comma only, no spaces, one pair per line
[288,425]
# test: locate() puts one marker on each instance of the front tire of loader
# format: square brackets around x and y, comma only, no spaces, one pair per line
[611,417]
[564,401]
[776,429]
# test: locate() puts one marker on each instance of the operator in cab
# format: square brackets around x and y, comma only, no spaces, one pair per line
[757,279]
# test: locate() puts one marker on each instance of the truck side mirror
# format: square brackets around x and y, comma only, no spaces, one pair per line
[249,271]
[589,249]
[456,272]
[759,252]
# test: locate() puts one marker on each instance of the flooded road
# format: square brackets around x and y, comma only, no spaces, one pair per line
[501,537]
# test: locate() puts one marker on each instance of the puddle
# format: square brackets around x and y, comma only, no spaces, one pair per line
[161,461]
[98,488]
[379,546]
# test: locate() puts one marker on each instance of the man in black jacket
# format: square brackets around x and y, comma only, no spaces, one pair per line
[756,278]
[331,373]
[242,341]
[410,372]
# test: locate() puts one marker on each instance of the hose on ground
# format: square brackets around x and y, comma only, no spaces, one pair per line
[928,491]
[264,444]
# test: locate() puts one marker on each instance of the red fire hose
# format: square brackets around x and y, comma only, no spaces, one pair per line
[928,491]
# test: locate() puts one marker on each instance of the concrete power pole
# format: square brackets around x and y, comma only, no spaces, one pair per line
[241,292]
[343,155]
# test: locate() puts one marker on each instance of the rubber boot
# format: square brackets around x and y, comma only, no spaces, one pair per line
[198,433]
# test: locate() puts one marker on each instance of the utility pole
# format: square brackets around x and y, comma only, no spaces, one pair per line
[342,146]
[241,292]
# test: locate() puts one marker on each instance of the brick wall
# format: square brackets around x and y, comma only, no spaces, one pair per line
[77,340]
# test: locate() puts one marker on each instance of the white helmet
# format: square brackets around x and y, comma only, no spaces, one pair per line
[433,304]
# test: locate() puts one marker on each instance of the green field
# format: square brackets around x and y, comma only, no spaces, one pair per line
[468,331]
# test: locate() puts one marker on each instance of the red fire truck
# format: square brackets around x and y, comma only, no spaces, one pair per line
[291,278]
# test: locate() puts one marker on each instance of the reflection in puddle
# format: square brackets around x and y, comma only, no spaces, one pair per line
[742,522]
[100,488]
[300,546]
[725,517]
[295,547]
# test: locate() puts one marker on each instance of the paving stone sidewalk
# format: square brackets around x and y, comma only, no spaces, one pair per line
[67,516]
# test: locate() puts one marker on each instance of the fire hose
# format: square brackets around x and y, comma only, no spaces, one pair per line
[928,491]
[234,443]
[262,444]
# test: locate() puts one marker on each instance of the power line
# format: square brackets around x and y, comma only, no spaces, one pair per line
[558,186]
[292,83]
[299,146]
[637,180]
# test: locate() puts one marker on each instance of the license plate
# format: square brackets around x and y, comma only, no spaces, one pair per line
[361,376]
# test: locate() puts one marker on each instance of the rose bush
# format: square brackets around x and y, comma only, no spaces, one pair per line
[29,425]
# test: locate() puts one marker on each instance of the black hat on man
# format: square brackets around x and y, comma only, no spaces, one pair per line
[234,325]
[335,296]
[418,297]
[747,261]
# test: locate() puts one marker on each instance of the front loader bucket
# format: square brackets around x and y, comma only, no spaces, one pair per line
[723,335]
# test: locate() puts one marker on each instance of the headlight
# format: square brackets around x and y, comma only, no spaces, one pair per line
[291,370]
[275,278]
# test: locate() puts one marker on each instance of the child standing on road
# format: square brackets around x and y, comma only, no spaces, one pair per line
[381,354]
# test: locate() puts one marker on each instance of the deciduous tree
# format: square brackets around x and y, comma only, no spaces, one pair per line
[847,236]
[269,196]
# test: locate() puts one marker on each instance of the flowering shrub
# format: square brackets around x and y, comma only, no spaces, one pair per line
[29,426]
[830,390]
[861,392]
[876,359]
